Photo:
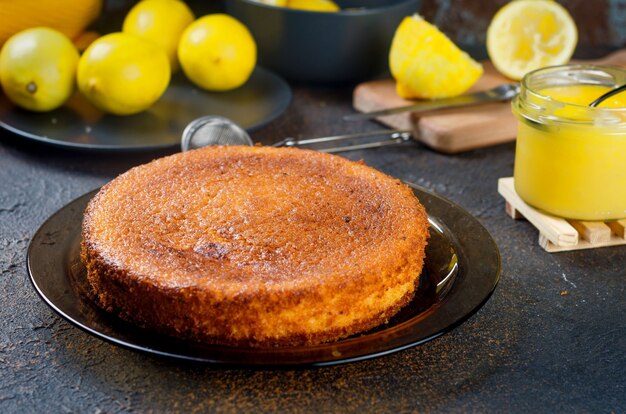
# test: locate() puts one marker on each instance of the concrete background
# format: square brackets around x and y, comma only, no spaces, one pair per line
[551,339]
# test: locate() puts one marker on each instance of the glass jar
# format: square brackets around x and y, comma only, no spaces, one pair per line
[570,159]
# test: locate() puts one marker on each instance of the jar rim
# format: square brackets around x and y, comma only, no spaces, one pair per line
[568,70]
[534,106]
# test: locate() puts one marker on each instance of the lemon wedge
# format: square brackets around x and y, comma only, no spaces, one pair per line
[426,64]
[526,35]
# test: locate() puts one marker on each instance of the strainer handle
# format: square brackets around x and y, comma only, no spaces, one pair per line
[395,136]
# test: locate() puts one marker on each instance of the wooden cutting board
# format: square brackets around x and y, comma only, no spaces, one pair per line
[457,129]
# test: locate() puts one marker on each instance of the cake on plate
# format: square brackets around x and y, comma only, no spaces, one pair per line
[254,246]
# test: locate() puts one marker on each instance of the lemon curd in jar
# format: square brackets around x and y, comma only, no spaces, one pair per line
[570,159]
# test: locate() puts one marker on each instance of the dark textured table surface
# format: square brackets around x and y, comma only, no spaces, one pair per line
[552,338]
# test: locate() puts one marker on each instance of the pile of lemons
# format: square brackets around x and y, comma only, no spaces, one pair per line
[523,35]
[125,72]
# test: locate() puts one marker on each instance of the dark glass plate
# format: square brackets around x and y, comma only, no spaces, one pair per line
[461,271]
[80,125]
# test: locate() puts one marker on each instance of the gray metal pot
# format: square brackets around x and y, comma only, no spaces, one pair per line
[346,46]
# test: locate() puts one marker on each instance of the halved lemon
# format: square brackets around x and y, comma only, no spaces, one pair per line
[426,64]
[526,35]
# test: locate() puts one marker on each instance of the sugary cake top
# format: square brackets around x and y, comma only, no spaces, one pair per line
[234,219]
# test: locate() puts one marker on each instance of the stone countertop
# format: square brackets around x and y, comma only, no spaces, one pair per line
[552,338]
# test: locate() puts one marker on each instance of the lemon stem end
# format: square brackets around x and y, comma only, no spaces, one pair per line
[31,88]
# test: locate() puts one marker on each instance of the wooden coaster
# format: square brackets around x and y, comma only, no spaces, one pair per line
[557,234]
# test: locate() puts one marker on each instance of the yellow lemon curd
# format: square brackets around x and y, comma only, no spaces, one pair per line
[570,159]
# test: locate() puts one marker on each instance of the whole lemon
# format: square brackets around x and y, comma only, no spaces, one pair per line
[217,52]
[160,21]
[123,74]
[38,68]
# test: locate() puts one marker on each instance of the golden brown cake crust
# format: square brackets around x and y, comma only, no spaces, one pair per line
[254,246]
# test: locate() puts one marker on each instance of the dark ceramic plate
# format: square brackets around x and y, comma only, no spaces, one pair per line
[79,125]
[461,271]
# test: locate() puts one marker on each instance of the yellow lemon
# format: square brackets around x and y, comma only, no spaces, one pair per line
[123,74]
[69,17]
[528,34]
[426,64]
[38,68]
[217,52]
[313,5]
[160,21]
